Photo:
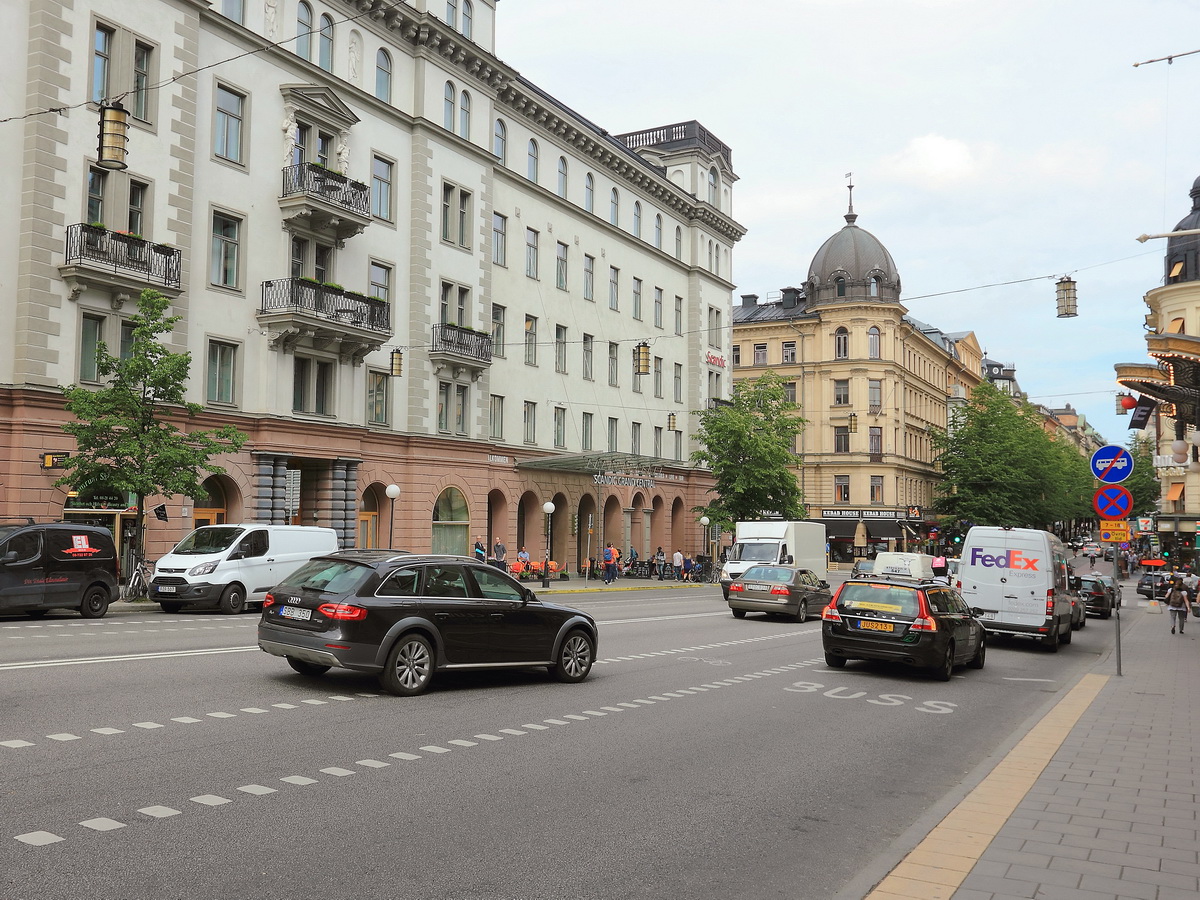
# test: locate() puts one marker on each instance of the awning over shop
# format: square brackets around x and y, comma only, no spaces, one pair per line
[838,528]
[881,529]
[1175,491]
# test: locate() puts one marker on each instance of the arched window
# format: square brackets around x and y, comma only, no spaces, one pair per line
[325,44]
[452,13]
[532,170]
[658,231]
[589,193]
[464,115]
[678,242]
[614,206]
[468,19]
[448,98]
[637,219]
[562,176]
[717,260]
[304,28]
[841,344]
[451,523]
[712,186]
[873,285]
[383,76]
[873,342]
[500,142]
[710,256]
[840,284]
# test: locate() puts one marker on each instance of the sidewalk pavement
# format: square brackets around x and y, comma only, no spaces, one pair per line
[1098,800]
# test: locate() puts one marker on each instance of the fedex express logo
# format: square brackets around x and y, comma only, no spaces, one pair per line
[1009,559]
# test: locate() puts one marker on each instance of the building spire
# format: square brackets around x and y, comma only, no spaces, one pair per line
[851,215]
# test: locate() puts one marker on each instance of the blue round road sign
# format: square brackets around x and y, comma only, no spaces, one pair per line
[1113,502]
[1112,464]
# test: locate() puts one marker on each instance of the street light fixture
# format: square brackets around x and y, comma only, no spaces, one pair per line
[548,509]
[704,539]
[392,491]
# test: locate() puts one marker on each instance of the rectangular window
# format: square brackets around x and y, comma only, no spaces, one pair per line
[381,188]
[101,62]
[875,440]
[789,351]
[531,324]
[614,278]
[612,435]
[377,397]
[456,215]
[90,336]
[841,392]
[312,386]
[233,9]
[227,136]
[658,307]
[678,445]
[841,439]
[588,370]
[735,355]
[678,382]
[135,220]
[531,253]
[560,348]
[841,488]
[127,339]
[461,406]
[560,426]
[221,359]
[97,179]
[560,267]
[443,406]
[658,376]
[496,418]
[499,239]
[299,257]
[498,330]
[530,422]
[589,277]
[585,432]
[380,277]
[714,327]
[634,378]
[679,315]
[658,436]
[789,391]
[876,488]
[613,373]
[875,396]
[760,354]
[226,246]
[635,438]
[323,263]
[141,80]
[637,298]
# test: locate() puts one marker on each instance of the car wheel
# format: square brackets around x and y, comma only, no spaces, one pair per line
[835,662]
[976,661]
[171,607]
[233,600]
[574,657]
[95,602]
[1107,614]
[1083,622]
[1067,636]
[1050,641]
[311,670]
[725,594]
[801,612]
[946,669]
[409,667]
[739,613]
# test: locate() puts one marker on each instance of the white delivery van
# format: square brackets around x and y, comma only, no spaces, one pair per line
[906,565]
[775,542]
[230,566]
[1018,579]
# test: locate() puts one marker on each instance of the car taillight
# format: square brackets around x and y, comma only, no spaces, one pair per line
[923,623]
[830,613]
[343,611]
[736,587]
[780,589]
[268,600]
[1050,604]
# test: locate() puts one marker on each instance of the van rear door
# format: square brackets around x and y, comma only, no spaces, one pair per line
[1007,575]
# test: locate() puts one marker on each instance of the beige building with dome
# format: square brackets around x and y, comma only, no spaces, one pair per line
[872,382]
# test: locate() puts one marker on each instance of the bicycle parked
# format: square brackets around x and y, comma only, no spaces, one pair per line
[137,586]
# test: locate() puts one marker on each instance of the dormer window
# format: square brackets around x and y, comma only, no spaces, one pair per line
[874,285]
[840,284]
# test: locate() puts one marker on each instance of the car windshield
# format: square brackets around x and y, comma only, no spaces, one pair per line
[329,576]
[216,539]
[759,552]
[776,574]
[889,598]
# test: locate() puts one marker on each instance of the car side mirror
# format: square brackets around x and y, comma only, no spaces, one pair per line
[1076,584]
[9,557]
[977,612]
[529,595]
[788,560]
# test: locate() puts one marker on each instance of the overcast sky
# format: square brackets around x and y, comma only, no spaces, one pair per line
[990,142]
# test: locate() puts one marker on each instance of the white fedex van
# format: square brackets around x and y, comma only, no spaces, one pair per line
[229,566]
[1018,579]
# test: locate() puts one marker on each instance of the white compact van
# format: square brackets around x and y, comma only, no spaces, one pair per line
[907,565]
[229,566]
[1018,578]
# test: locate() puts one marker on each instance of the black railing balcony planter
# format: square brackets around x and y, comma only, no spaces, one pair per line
[327,303]
[325,199]
[120,261]
[460,349]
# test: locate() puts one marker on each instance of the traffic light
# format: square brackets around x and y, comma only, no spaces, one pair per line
[958,539]
[1166,553]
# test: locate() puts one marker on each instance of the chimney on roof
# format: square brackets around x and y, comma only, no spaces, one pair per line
[791,297]
[749,299]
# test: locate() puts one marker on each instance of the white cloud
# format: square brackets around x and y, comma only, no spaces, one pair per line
[937,162]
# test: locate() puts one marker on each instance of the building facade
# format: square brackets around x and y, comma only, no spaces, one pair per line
[872,383]
[397,263]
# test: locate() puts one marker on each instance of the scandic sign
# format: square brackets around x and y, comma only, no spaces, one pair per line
[1009,559]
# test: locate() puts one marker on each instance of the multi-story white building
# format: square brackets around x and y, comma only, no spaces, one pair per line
[329,189]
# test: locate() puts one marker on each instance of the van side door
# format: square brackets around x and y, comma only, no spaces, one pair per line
[254,560]
[22,574]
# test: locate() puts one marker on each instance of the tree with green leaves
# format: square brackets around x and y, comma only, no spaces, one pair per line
[125,431]
[1142,483]
[749,445]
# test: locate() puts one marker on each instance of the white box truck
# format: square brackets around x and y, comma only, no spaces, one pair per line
[775,542]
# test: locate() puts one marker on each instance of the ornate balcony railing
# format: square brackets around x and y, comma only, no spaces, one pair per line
[462,342]
[334,304]
[336,188]
[99,248]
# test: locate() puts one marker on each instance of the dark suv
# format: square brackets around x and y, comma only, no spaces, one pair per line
[59,565]
[921,623]
[403,616]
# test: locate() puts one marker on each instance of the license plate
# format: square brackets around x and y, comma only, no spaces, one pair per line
[758,587]
[165,588]
[295,612]
[989,615]
[876,626]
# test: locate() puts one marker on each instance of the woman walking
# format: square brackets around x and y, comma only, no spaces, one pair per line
[1177,604]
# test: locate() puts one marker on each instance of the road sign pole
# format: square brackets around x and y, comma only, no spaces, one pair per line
[1118,584]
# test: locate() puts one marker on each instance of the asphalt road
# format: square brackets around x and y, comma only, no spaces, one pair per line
[153,755]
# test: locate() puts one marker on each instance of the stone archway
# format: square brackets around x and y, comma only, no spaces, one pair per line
[588,531]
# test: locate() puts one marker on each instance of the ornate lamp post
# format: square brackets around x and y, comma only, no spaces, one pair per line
[704,541]
[392,491]
[548,509]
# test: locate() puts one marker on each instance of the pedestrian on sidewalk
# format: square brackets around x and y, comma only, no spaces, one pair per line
[1177,602]
[677,565]
[610,564]
[660,562]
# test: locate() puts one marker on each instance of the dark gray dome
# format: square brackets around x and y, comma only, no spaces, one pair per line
[857,257]
[1181,263]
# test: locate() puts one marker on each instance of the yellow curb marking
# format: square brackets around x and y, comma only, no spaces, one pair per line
[927,873]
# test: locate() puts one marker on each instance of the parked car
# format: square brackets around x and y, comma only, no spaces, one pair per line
[915,621]
[1099,597]
[1078,611]
[406,616]
[58,565]
[862,568]
[1113,584]
[1152,585]
[1091,549]
[778,590]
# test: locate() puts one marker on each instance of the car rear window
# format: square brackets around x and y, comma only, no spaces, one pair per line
[767,573]
[889,598]
[332,576]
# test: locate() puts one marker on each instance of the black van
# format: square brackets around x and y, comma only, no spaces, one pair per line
[60,565]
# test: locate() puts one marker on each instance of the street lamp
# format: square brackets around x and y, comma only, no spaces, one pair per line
[548,509]
[704,520]
[392,491]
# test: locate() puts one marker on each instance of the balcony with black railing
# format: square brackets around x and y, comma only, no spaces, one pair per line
[325,200]
[120,262]
[460,348]
[301,309]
